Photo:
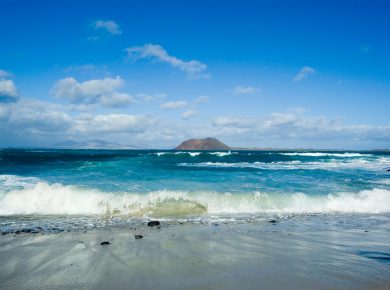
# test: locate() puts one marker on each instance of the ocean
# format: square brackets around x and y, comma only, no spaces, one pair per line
[78,190]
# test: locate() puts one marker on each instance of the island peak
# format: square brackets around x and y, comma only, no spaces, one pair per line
[202,144]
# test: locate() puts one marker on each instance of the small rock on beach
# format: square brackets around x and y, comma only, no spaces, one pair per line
[153,223]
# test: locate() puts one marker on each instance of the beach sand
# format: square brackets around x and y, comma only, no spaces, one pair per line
[190,256]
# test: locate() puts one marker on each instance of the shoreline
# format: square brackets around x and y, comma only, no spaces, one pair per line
[189,256]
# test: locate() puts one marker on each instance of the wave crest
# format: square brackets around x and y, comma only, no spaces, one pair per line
[58,199]
[331,164]
[322,154]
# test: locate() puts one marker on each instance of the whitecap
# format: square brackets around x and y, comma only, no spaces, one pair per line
[58,199]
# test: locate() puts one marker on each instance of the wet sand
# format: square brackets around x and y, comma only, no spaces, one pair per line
[192,256]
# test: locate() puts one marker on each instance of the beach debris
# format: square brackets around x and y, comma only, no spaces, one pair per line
[153,223]
[137,237]
[105,243]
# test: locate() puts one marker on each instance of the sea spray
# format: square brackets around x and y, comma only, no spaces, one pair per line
[57,199]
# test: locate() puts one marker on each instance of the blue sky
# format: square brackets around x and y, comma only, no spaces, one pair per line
[313,74]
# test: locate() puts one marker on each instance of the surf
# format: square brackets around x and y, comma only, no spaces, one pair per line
[58,199]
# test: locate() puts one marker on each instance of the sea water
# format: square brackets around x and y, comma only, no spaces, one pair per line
[65,190]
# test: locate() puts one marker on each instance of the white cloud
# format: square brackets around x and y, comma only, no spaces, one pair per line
[241,90]
[201,100]
[174,105]
[193,68]
[8,91]
[35,117]
[116,99]
[190,107]
[113,123]
[110,26]
[188,114]
[5,74]
[99,91]
[304,73]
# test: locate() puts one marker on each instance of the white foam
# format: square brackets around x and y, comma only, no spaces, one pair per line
[382,181]
[8,181]
[57,199]
[192,154]
[330,164]
[221,154]
[322,154]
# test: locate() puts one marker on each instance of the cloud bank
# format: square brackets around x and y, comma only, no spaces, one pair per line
[32,122]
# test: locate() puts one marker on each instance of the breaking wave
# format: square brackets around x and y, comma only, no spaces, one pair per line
[330,164]
[322,154]
[192,154]
[58,199]
[221,154]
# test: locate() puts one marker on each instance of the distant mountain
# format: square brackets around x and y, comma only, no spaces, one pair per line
[92,144]
[202,144]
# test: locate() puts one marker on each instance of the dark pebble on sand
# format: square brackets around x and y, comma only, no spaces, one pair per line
[105,243]
[153,223]
[137,237]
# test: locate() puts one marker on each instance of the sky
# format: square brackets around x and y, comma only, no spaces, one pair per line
[272,73]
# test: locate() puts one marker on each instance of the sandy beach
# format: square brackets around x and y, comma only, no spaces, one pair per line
[188,256]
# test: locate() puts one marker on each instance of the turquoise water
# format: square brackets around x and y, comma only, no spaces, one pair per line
[171,184]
